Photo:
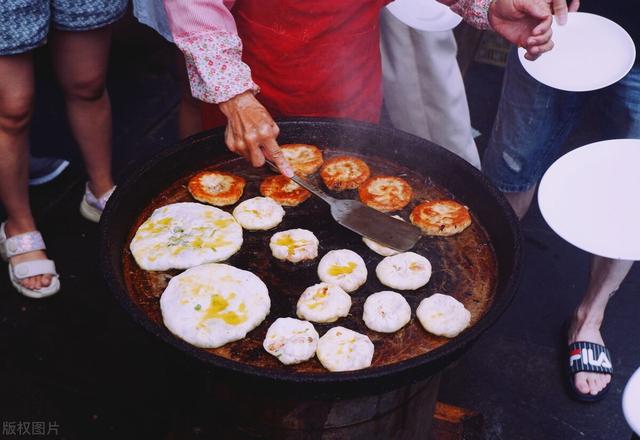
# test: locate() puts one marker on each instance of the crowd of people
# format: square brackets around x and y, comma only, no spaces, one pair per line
[251,62]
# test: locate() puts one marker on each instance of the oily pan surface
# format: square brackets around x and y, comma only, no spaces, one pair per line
[464,266]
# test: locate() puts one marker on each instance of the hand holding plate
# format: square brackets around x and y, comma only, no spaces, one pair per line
[526,23]
[561,9]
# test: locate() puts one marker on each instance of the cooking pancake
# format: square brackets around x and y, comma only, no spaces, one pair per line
[183,235]
[443,315]
[216,187]
[380,249]
[213,304]
[386,312]
[304,159]
[291,340]
[385,193]
[405,271]
[341,349]
[283,190]
[465,263]
[441,217]
[323,302]
[344,172]
[344,268]
[294,245]
[258,213]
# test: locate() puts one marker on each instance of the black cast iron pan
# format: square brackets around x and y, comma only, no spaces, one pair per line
[479,267]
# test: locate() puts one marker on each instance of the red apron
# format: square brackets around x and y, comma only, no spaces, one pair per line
[311,57]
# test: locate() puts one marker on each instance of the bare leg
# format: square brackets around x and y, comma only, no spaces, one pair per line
[16,105]
[80,60]
[605,278]
[521,201]
[189,112]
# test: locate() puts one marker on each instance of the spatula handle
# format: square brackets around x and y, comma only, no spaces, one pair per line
[311,187]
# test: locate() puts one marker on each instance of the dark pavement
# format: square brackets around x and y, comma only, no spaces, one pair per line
[78,364]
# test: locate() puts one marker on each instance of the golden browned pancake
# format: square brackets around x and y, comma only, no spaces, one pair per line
[216,187]
[305,159]
[385,193]
[441,217]
[283,190]
[344,172]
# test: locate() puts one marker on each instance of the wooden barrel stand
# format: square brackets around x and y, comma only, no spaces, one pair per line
[404,413]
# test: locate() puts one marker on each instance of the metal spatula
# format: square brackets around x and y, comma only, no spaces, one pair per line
[366,221]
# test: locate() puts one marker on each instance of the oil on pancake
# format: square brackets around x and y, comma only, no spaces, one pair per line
[184,235]
[213,304]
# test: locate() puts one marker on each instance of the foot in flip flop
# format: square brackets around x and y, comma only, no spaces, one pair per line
[31,273]
[589,362]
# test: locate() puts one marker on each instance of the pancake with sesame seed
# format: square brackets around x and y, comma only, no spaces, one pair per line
[385,193]
[441,217]
[283,190]
[216,187]
[304,159]
[344,172]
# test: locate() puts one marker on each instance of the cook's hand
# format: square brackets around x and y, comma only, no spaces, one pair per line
[526,23]
[560,9]
[251,132]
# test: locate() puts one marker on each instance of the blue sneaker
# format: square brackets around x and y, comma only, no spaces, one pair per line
[44,169]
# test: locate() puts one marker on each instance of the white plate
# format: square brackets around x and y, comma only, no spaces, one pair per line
[631,402]
[590,52]
[424,15]
[591,198]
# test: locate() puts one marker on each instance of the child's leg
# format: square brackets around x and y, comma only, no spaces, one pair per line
[16,105]
[80,60]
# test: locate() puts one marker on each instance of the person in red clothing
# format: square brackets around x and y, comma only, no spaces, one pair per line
[262,59]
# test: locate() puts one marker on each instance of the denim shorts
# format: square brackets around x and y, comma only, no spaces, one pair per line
[24,24]
[534,122]
[152,13]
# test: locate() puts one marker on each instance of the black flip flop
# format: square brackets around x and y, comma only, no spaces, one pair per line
[592,358]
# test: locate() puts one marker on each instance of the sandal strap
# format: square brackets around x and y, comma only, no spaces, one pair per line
[590,357]
[33,268]
[24,243]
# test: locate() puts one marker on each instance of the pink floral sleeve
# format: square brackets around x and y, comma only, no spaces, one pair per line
[474,12]
[206,33]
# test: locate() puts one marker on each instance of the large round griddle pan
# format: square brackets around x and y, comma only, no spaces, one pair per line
[158,180]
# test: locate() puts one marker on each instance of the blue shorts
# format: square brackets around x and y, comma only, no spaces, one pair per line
[152,13]
[534,122]
[24,24]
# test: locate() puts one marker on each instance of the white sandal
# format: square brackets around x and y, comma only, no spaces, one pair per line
[22,244]
[91,206]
